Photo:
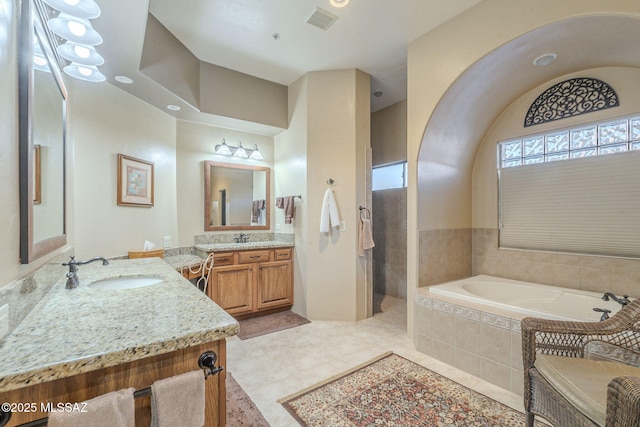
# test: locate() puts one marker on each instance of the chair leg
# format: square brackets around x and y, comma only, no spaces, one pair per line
[529,421]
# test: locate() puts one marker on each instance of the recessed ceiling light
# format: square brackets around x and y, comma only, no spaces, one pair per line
[123,79]
[173,107]
[545,59]
[339,3]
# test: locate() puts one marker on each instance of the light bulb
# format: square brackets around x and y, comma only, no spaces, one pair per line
[81,51]
[72,2]
[77,28]
[39,60]
[85,71]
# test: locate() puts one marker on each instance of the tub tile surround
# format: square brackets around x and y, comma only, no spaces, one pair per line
[484,344]
[444,255]
[586,272]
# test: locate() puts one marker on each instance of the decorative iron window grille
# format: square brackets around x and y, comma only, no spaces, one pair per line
[571,98]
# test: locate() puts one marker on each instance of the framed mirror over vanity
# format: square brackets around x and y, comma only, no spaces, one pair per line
[236,197]
[42,133]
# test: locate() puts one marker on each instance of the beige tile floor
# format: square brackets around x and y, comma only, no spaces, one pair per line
[276,365]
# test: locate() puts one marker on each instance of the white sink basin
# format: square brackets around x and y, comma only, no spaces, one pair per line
[130,282]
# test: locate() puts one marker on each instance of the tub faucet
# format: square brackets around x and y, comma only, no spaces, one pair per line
[72,277]
[624,300]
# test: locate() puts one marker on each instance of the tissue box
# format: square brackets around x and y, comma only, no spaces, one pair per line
[147,254]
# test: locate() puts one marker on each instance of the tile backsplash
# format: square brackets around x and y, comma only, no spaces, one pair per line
[586,272]
[228,237]
[24,293]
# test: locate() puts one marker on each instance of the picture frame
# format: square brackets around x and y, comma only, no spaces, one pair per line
[135,182]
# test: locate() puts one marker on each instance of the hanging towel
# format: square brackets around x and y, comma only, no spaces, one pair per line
[289,209]
[366,236]
[280,202]
[115,409]
[256,207]
[178,401]
[329,217]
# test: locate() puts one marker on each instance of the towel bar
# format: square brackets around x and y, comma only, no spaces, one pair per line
[206,362]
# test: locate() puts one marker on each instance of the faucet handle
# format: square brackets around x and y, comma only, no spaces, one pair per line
[604,311]
[72,261]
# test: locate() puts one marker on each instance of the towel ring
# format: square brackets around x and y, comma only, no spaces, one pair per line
[365,213]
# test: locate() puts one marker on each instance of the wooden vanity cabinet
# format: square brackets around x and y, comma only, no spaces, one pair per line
[138,374]
[253,282]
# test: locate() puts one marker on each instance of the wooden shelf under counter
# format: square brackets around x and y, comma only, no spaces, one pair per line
[249,283]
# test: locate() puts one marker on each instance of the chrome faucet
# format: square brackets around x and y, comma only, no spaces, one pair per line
[72,277]
[241,238]
[624,300]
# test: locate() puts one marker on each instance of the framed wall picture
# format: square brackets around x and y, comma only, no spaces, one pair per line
[135,182]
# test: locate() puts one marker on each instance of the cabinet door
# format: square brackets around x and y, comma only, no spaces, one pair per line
[275,284]
[231,288]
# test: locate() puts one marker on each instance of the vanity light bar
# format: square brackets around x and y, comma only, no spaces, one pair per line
[72,24]
[240,152]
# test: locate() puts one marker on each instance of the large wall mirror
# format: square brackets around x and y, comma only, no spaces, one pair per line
[42,117]
[236,197]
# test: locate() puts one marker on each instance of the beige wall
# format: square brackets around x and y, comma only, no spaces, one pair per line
[389,134]
[9,208]
[105,121]
[195,144]
[290,177]
[329,123]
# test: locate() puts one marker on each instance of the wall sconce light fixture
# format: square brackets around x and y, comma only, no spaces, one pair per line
[239,151]
[72,24]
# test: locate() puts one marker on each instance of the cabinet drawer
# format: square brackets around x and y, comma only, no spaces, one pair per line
[282,254]
[225,258]
[253,256]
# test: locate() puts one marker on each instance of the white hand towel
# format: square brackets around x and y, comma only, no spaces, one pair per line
[178,401]
[329,216]
[115,409]
[366,237]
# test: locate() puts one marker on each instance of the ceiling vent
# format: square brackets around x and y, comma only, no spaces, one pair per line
[322,19]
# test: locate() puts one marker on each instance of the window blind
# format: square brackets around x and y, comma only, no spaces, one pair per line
[588,205]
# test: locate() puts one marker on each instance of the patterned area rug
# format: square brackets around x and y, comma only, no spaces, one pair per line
[263,325]
[393,391]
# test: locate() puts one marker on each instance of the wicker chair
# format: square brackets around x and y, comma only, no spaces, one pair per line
[621,333]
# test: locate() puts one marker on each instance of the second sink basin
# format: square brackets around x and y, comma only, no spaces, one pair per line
[130,282]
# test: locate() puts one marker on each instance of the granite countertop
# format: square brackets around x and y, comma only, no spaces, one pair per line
[221,247]
[180,262]
[71,331]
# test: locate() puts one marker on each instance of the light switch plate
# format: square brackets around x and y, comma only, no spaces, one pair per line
[343,226]
[166,242]
[4,320]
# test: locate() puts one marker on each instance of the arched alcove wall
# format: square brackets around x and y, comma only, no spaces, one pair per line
[462,77]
